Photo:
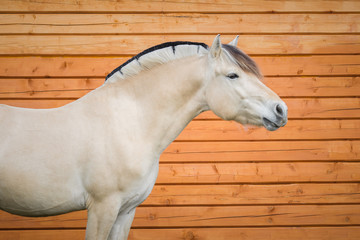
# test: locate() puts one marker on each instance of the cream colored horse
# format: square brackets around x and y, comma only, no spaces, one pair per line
[101,152]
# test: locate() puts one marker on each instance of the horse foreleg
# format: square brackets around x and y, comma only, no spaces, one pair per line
[121,228]
[101,217]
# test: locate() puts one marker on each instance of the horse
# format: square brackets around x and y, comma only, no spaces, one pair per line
[101,152]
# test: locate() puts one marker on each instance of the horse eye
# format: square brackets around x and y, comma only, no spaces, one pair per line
[233,76]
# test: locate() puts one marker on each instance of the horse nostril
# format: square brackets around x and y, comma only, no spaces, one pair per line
[279,110]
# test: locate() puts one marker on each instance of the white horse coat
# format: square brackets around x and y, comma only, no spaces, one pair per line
[101,152]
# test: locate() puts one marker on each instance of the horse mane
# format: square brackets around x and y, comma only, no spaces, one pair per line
[157,55]
[169,51]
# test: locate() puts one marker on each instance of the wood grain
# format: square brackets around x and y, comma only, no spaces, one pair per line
[278,233]
[180,6]
[214,173]
[314,86]
[91,67]
[255,151]
[310,215]
[222,195]
[58,234]
[178,23]
[208,216]
[134,44]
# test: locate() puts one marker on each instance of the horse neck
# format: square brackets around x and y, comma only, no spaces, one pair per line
[168,98]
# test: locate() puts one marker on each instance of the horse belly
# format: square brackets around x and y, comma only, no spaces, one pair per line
[38,184]
[38,173]
[31,195]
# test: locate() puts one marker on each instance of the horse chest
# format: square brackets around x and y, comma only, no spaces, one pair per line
[141,190]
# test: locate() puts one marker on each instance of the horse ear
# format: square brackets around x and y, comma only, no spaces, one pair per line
[235,41]
[215,49]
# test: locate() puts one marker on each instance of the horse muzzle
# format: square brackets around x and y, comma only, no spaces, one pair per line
[278,117]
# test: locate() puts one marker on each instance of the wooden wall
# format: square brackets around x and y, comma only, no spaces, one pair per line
[216,181]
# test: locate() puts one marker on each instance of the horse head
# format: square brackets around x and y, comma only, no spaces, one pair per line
[235,90]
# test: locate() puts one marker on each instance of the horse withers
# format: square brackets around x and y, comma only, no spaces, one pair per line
[101,152]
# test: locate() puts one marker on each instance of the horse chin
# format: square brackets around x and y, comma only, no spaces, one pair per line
[270,125]
[249,122]
[259,122]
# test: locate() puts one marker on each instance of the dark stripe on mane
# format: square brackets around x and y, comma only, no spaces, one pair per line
[243,60]
[152,49]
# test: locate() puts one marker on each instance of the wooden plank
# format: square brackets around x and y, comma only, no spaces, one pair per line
[248,216]
[101,66]
[314,86]
[48,87]
[253,194]
[180,6]
[55,234]
[27,88]
[278,233]
[309,215]
[261,151]
[69,220]
[178,23]
[258,172]
[59,66]
[294,130]
[134,44]
[324,108]
[297,233]
[206,216]
[309,65]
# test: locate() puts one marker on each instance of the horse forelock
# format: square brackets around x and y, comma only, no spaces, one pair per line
[157,55]
[242,60]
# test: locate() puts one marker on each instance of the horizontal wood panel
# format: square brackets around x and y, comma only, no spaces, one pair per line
[178,23]
[314,86]
[309,65]
[299,233]
[206,216]
[261,151]
[77,87]
[180,6]
[101,66]
[323,108]
[54,234]
[134,44]
[49,87]
[69,220]
[258,172]
[248,216]
[295,129]
[278,233]
[253,194]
